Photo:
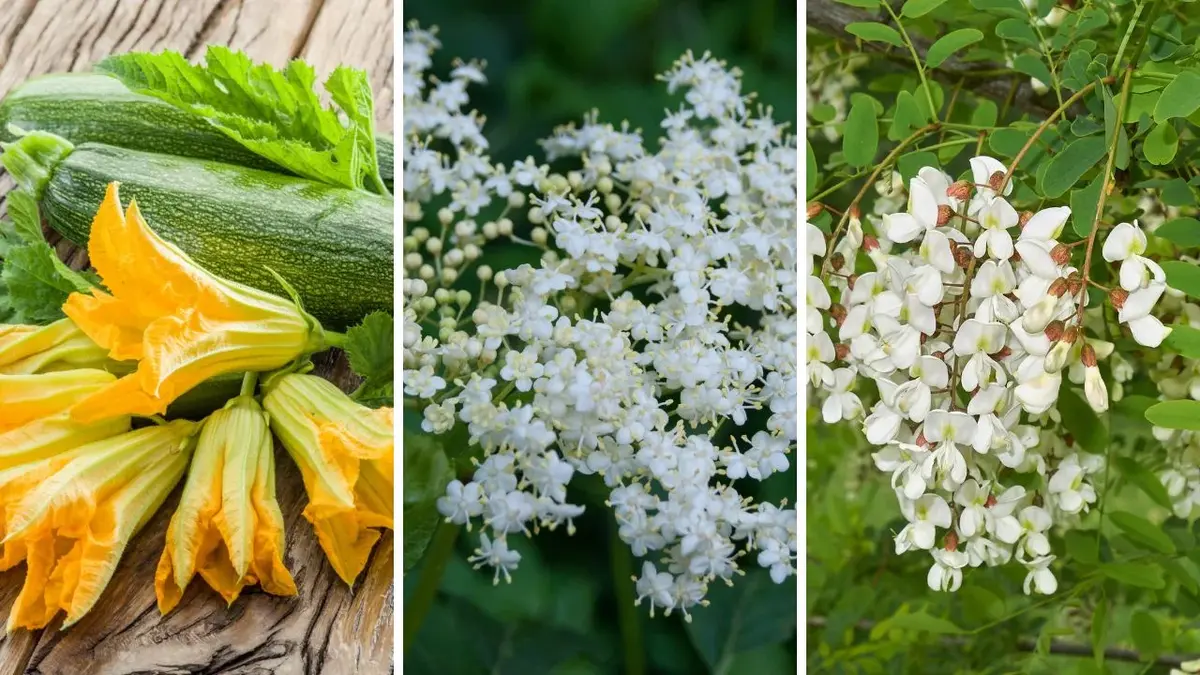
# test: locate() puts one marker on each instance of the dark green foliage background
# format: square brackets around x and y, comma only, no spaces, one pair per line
[548,63]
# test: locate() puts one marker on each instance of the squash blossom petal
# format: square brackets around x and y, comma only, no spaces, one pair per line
[76,522]
[228,526]
[38,435]
[345,452]
[61,345]
[180,323]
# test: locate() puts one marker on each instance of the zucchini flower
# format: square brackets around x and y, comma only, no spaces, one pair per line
[345,453]
[40,349]
[75,522]
[181,324]
[228,526]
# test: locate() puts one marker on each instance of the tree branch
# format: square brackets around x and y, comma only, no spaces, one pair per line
[1028,644]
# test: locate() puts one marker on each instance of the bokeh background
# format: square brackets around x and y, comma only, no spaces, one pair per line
[569,609]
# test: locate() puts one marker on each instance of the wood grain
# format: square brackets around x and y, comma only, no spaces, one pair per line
[328,628]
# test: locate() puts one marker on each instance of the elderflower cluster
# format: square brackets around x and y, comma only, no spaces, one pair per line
[966,328]
[660,320]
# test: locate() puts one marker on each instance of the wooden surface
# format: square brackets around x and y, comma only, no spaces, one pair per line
[328,628]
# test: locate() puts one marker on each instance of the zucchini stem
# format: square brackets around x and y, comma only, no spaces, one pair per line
[249,382]
[335,339]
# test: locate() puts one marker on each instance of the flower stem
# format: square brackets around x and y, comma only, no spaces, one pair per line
[628,618]
[1105,188]
[1046,124]
[249,382]
[887,161]
[436,557]
[334,339]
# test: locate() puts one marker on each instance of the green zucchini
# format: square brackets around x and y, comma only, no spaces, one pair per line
[97,108]
[333,245]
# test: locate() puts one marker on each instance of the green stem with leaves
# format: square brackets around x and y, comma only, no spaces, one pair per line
[912,49]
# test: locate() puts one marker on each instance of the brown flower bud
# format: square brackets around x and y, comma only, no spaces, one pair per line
[945,213]
[1061,254]
[851,280]
[841,351]
[1015,257]
[991,501]
[1074,284]
[1023,219]
[1054,332]
[837,261]
[1004,353]
[939,355]
[1117,297]
[921,441]
[1088,356]
[855,212]
[870,243]
[815,209]
[960,190]
[1058,287]
[962,256]
[996,181]
[951,541]
[838,312]
[1070,335]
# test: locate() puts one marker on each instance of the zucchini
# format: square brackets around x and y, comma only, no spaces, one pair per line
[97,108]
[333,245]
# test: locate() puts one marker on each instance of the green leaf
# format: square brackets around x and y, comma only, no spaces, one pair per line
[1146,633]
[1034,67]
[1084,203]
[1099,631]
[1161,144]
[812,175]
[916,8]
[1182,414]
[1017,30]
[907,117]
[426,474]
[1081,421]
[1183,277]
[371,348]
[1183,231]
[1069,165]
[277,114]
[1145,480]
[1143,532]
[860,137]
[875,32]
[755,612]
[865,4]
[910,163]
[920,621]
[948,44]
[1180,98]
[26,219]
[1184,340]
[1176,192]
[985,113]
[1140,574]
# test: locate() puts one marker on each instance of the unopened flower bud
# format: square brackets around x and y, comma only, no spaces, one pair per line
[841,351]
[1058,287]
[960,190]
[951,541]
[1074,284]
[996,181]
[1004,353]
[815,209]
[1117,297]
[1061,254]
[1088,356]
[1055,330]
[870,243]
[837,261]
[1094,389]
[850,280]
[1023,219]
[838,312]
[855,212]
[921,441]
[944,214]
[962,256]
[1056,359]
[991,501]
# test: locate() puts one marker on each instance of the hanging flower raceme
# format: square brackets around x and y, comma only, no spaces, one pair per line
[183,327]
[74,522]
[228,527]
[345,453]
[40,349]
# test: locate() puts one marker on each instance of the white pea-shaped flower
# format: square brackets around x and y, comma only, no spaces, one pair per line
[925,515]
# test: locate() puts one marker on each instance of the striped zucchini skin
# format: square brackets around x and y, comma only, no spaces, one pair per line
[333,245]
[96,108]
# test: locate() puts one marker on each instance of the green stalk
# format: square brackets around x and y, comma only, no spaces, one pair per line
[628,618]
[436,558]
[933,110]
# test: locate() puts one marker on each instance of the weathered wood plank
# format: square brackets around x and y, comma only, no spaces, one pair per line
[328,627]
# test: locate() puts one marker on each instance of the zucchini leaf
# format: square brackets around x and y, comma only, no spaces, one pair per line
[274,113]
[34,282]
[371,350]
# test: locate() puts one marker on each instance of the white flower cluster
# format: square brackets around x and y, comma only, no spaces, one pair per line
[967,332]
[618,355]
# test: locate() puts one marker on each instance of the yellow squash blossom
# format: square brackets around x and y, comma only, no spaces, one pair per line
[228,526]
[180,323]
[76,522]
[40,349]
[38,435]
[345,452]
